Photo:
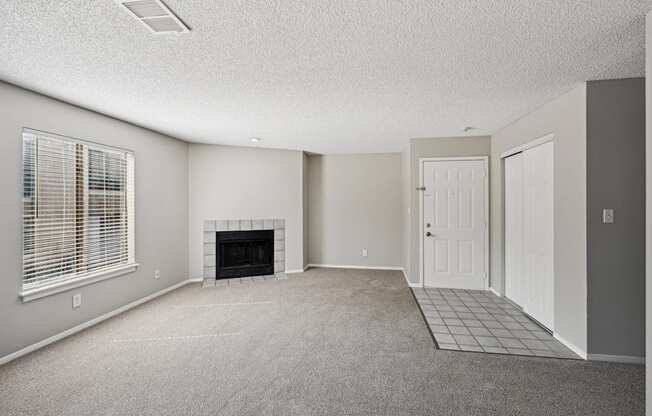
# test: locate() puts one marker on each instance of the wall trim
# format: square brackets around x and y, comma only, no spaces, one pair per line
[349,266]
[68,332]
[577,350]
[295,271]
[534,143]
[492,290]
[624,359]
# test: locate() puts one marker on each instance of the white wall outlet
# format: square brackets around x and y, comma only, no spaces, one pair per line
[608,216]
[364,252]
[76,300]
[157,274]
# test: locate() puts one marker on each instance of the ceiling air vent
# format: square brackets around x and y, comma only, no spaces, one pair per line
[155,15]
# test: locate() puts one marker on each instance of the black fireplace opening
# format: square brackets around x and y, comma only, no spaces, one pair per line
[244,253]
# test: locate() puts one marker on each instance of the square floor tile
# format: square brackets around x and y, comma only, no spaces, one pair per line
[513,325]
[447,314]
[472,322]
[444,339]
[511,343]
[449,347]
[496,350]
[484,332]
[465,340]
[534,344]
[493,324]
[523,334]
[504,333]
[453,322]
[441,329]
[520,351]
[472,348]
[459,330]
[488,341]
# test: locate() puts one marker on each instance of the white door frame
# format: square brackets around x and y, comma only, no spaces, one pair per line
[548,137]
[485,160]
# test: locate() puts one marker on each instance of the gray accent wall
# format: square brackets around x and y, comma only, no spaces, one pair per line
[616,252]
[231,182]
[564,116]
[161,185]
[355,203]
[433,147]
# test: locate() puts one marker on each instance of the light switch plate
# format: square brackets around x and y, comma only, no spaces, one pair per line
[157,274]
[364,252]
[608,216]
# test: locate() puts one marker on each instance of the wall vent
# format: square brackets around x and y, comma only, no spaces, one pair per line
[155,15]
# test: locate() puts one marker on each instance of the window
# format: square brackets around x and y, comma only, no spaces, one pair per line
[78,210]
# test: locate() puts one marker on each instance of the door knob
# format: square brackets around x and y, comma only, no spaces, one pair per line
[428,234]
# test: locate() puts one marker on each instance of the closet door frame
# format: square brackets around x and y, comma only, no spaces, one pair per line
[517,149]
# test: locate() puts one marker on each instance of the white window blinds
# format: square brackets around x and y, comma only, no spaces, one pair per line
[78,209]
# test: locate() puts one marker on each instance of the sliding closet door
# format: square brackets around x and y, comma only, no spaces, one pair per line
[538,223]
[515,284]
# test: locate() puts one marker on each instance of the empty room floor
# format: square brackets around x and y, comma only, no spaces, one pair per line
[325,342]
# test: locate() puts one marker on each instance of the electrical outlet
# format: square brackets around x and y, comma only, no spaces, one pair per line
[608,216]
[364,252]
[76,300]
[157,274]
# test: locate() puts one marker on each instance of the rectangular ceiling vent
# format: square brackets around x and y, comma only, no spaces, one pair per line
[155,15]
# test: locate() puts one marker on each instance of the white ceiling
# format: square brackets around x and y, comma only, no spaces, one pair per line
[325,76]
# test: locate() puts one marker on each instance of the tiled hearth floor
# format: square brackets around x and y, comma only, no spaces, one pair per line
[479,321]
[242,280]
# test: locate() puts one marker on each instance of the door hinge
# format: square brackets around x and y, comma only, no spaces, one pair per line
[421,188]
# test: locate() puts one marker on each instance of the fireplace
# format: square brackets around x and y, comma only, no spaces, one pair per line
[244,253]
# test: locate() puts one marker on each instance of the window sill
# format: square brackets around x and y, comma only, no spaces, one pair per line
[41,292]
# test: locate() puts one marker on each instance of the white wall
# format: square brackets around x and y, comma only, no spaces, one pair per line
[566,118]
[161,182]
[228,182]
[433,147]
[355,203]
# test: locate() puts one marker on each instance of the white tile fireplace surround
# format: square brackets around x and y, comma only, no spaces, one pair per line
[212,226]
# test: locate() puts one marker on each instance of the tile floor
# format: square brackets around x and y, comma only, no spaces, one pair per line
[477,320]
[242,280]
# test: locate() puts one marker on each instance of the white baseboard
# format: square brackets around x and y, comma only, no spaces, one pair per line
[295,271]
[195,280]
[577,350]
[88,324]
[492,290]
[625,359]
[348,266]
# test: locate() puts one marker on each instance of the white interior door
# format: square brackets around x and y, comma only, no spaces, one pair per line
[515,280]
[454,224]
[538,192]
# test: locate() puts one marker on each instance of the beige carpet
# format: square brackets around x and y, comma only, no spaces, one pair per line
[325,342]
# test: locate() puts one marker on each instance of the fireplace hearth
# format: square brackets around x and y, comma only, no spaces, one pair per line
[244,253]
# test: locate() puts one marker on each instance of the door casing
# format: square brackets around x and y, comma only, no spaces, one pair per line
[485,160]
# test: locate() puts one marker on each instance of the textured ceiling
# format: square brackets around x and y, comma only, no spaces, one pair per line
[325,76]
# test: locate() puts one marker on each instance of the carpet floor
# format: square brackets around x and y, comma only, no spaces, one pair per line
[324,342]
